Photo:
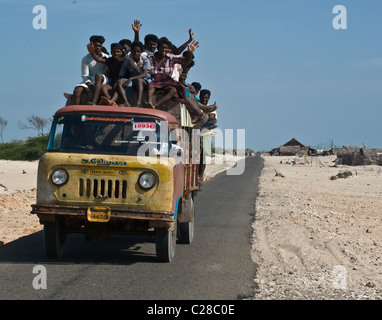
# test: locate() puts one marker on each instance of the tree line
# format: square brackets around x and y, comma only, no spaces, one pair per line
[31,149]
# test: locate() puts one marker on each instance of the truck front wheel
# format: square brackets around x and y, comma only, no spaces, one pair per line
[165,242]
[54,239]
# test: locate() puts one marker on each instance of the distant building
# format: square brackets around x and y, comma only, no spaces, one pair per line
[291,148]
[358,155]
[249,153]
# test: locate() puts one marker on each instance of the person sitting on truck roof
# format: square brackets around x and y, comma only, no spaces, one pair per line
[135,69]
[173,49]
[150,44]
[93,73]
[161,69]
[182,68]
[114,64]
[151,40]
[178,68]
[126,47]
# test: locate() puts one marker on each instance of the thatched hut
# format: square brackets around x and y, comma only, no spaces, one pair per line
[291,148]
[358,155]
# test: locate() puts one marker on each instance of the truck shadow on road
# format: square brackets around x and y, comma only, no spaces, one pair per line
[123,250]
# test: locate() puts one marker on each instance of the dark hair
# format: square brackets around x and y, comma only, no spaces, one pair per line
[203,92]
[171,46]
[125,41]
[99,39]
[186,52]
[151,37]
[136,44]
[115,45]
[164,40]
[196,85]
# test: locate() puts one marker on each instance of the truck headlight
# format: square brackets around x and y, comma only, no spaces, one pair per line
[59,177]
[146,180]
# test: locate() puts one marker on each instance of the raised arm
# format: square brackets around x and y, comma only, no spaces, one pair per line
[188,54]
[136,27]
[95,56]
[184,45]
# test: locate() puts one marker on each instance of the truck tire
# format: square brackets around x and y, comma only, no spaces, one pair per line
[54,239]
[186,229]
[165,242]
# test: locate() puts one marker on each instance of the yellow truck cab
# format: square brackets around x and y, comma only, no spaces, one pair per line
[118,170]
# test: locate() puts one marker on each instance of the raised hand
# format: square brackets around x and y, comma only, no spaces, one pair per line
[192,47]
[191,35]
[90,47]
[136,26]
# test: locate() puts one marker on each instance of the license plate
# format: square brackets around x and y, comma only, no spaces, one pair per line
[98,214]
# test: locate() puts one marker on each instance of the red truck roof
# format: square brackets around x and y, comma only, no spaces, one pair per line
[101,109]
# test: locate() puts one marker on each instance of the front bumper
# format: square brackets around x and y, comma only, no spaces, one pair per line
[48,213]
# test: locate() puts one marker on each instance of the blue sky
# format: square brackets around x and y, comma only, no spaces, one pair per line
[276,68]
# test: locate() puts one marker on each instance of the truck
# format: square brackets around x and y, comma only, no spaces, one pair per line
[119,170]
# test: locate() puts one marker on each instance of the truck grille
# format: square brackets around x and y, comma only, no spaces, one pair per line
[103,188]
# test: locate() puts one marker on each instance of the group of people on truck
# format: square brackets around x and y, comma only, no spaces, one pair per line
[155,66]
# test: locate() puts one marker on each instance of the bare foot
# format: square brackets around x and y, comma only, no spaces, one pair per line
[108,102]
[149,105]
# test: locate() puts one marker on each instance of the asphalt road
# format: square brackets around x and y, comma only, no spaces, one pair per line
[216,266]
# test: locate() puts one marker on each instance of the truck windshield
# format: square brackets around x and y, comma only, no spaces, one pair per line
[92,133]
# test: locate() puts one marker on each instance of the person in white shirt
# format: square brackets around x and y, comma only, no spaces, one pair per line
[150,45]
[93,73]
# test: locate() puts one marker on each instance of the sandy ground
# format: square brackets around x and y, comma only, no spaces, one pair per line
[18,192]
[317,238]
